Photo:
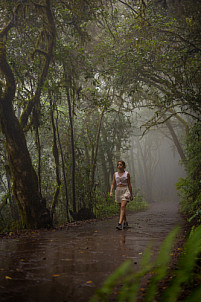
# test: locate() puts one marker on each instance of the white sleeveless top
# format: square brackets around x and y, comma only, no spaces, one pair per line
[121,180]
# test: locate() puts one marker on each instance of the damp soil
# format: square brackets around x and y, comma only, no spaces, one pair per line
[70,263]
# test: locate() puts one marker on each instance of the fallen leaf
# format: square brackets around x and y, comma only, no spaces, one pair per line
[55,275]
[88,282]
[8,278]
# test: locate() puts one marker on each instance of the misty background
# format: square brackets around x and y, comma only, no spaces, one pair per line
[154,162]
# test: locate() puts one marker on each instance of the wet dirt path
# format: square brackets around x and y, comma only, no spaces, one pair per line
[71,263]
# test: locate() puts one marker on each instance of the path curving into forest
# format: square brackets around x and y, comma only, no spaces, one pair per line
[70,263]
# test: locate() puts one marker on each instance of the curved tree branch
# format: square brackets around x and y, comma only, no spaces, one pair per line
[35,100]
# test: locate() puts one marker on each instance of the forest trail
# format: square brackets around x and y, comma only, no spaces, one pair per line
[71,263]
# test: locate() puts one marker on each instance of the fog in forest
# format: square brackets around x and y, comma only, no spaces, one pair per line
[154,165]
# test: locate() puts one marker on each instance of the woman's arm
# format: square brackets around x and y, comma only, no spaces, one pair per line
[112,186]
[129,186]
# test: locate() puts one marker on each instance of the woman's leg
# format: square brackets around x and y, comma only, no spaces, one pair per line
[122,211]
[124,218]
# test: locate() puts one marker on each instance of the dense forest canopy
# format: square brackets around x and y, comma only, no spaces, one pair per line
[76,79]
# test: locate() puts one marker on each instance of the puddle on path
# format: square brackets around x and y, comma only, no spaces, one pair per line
[70,264]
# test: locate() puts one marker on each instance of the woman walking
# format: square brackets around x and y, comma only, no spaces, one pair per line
[123,192]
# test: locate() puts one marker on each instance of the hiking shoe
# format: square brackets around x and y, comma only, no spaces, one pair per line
[125,225]
[119,226]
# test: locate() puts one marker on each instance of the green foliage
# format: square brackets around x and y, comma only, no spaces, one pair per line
[160,266]
[138,203]
[184,274]
[190,187]
[106,207]
[112,56]
[129,281]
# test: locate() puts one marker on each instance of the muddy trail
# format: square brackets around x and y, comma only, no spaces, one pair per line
[69,264]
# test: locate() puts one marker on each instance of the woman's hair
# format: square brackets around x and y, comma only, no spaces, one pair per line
[123,163]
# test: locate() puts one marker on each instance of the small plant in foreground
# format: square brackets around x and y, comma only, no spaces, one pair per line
[129,282]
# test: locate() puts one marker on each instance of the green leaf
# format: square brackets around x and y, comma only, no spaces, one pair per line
[161,265]
[186,265]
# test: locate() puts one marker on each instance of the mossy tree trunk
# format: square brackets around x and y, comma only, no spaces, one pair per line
[31,205]
[25,182]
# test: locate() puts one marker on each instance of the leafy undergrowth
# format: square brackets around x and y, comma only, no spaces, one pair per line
[108,208]
[105,210]
[175,275]
[187,249]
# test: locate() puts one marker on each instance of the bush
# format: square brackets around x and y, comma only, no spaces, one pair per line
[189,188]
[106,207]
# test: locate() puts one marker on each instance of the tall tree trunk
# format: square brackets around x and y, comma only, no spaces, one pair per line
[55,152]
[139,162]
[145,170]
[104,169]
[63,169]
[94,159]
[72,144]
[184,123]
[12,203]
[31,205]
[175,139]
[73,153]
[109,151]
[132,164]
[39,157]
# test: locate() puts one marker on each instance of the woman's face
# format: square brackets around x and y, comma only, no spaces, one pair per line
[120,165]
